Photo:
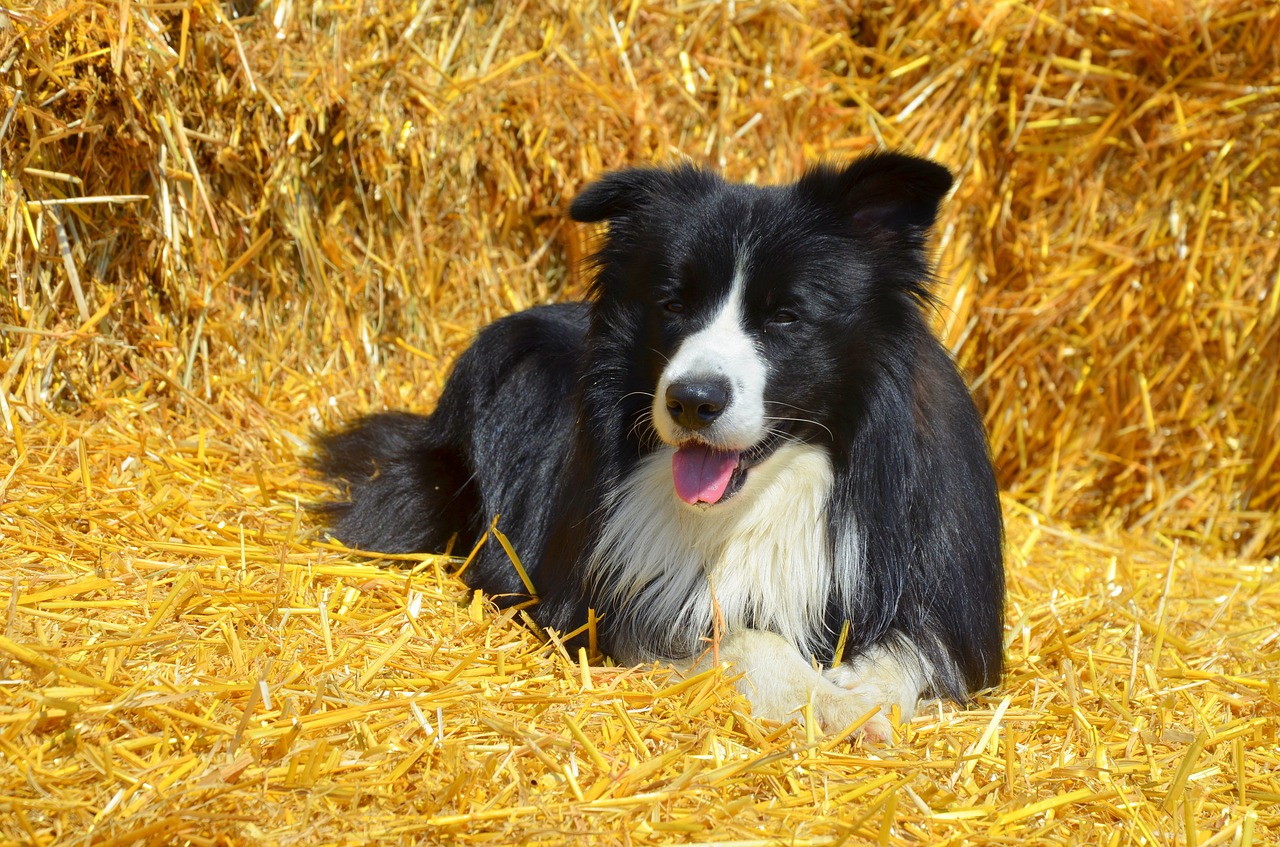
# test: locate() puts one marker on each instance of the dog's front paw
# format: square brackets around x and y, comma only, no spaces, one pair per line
[780,683]
[835,708]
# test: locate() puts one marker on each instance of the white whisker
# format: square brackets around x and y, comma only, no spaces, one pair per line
[809,421]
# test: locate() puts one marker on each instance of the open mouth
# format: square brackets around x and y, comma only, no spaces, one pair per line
[706,474]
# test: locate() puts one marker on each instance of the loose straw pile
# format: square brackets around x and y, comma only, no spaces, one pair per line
[223,225]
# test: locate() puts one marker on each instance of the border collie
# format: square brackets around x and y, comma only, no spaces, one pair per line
[747,435]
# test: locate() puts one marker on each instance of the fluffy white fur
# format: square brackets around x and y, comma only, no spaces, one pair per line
[762,556]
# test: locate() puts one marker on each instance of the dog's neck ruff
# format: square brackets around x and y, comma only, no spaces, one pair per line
[761,560]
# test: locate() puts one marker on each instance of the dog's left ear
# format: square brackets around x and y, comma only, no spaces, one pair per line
[613,195]
[891,192]
[623,193]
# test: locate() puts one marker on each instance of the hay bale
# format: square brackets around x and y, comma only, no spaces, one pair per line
[219,231]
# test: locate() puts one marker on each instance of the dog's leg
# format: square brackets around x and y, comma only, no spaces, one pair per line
[779,682]
[891,677]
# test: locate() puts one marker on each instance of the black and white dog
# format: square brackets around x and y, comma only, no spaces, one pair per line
[748,429]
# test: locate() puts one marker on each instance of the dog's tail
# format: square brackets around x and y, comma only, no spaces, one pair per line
[405,491]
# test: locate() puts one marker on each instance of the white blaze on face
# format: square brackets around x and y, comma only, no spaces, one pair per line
[721,351]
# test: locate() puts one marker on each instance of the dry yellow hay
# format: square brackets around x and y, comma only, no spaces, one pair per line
[218,232]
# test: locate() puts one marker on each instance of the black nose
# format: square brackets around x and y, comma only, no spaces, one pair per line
[697,404]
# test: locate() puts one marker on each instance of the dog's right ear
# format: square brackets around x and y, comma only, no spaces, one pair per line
[614,195]
[622,193]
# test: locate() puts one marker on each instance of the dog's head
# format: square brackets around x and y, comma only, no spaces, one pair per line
[758,315]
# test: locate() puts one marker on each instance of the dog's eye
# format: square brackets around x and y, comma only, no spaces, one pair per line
[673,305]
[783,316]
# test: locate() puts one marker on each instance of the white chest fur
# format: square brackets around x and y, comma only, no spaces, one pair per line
[763,558]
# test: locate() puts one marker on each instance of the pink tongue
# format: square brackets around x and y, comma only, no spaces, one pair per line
[702,472]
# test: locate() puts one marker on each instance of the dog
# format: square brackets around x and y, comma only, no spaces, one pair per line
[748,434]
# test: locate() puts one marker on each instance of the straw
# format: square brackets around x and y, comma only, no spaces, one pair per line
[225,226]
